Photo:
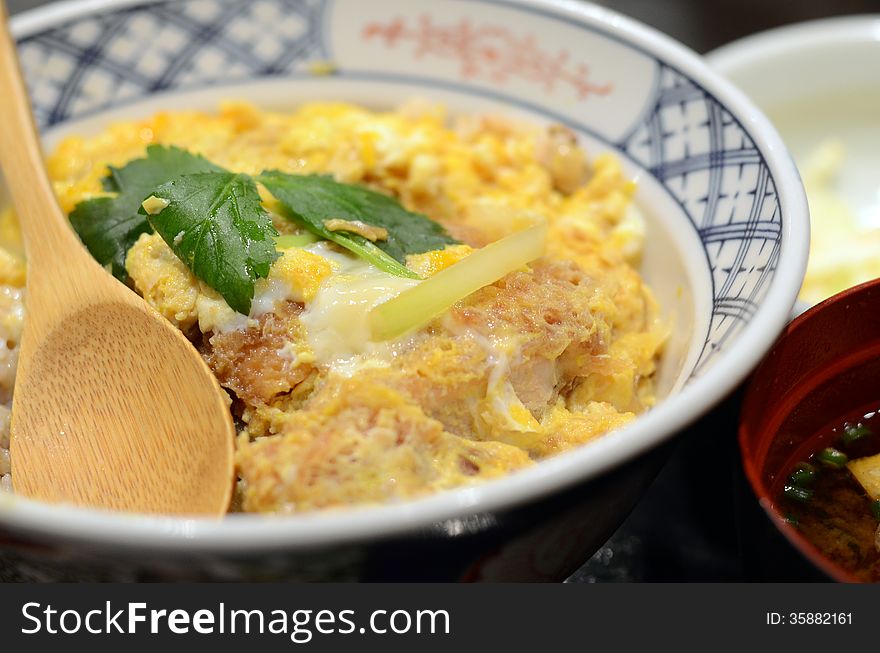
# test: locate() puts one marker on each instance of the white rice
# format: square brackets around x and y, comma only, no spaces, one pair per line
[5,466]
[11,321]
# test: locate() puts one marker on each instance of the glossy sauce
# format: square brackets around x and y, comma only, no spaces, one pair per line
[336,320]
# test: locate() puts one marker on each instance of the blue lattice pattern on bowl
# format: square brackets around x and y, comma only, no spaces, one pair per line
[96,62]
[695,148]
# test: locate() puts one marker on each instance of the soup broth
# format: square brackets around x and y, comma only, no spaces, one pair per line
[822,497]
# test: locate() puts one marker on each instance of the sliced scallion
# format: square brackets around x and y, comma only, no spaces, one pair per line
[797,493]
[854,433]
[803,474]
[420,304]
[832,457]
[295,240]
[875,509]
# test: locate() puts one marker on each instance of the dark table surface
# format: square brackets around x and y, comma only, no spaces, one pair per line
[698,522]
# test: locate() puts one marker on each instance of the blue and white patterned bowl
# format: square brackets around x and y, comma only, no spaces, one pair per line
[727,243]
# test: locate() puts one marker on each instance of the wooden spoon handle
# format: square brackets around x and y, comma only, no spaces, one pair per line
[43,224]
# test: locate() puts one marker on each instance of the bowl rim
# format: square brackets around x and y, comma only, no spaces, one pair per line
[754,475]
[329,527]
[751,50]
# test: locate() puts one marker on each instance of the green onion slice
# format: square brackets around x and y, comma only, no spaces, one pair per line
[296,240]
[803,474]
[797,493]
[420,304]
[832,457]
[854,433]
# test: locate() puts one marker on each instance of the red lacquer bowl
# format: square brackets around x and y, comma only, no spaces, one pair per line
[826,362]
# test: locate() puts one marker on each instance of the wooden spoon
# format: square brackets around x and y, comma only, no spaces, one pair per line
[113,407]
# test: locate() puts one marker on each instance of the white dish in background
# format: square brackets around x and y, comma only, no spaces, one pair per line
[819,83]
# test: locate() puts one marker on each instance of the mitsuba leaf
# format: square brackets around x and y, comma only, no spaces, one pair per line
[312,200]
[214,222]
[109,226]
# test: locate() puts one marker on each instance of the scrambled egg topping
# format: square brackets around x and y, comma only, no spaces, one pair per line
[545,359]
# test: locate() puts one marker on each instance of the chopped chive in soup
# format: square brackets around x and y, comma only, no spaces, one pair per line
[832,457]
[804,474]
[854,432]
[797,493]
[829,494]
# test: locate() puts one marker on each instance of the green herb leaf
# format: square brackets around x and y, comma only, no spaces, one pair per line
[312,200]
[109,226]
[216,225]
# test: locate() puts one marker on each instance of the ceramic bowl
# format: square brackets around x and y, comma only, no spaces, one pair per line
[726,248]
